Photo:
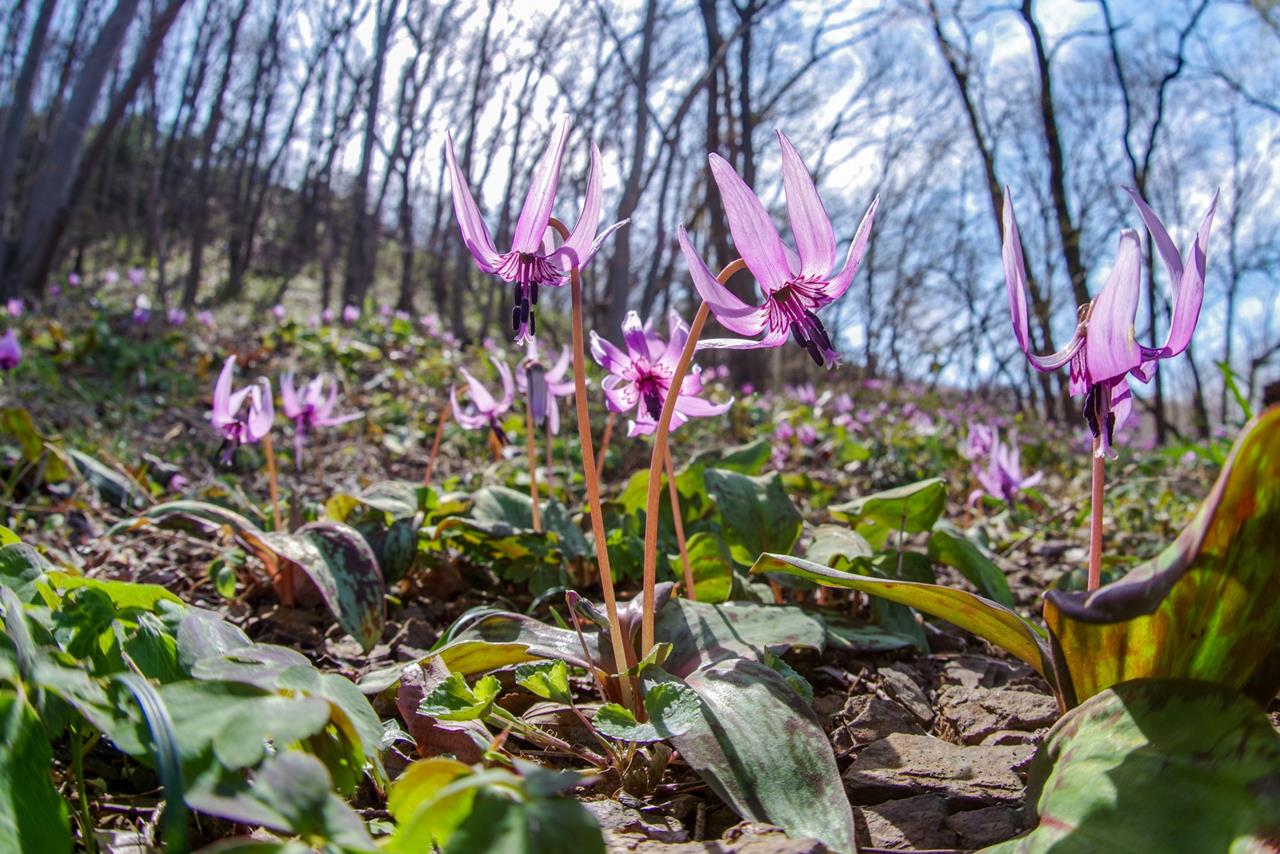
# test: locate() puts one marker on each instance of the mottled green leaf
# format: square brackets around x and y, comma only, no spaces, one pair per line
[345,571]
[761,749]
[711,565]
[1157,765]
[1205,608]
[984,618]
[913,507]
[758,515]
[455,700]
[700,634]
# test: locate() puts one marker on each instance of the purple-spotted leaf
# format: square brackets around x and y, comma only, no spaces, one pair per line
[1205,608]
[1157,765]
[984,618]
[761,749]
[701,634]
[194,517]
[344,569]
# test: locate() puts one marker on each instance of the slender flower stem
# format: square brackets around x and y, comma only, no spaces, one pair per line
[272,484]
[677,518]
[550,461]
[616,638]
[1095,519]
[659,452]
[604,444]
[435,444]
[533,463]
[82,791]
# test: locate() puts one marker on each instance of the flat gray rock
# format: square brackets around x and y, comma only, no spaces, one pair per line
[902,765]
[987,826]
[973,713]
[908,823]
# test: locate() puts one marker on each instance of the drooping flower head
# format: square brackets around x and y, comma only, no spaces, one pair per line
[137,276]
[531,263]
[1104,350]
[1001,476]
[978,442]
[311,408]
[279,313]
[14,307]
[545,386]
[10,351]
[242,417]
[795,283]
[482,410]
[327,315]
[205,318]
[177,317]
[350,314]
[640,377]
[110,277]
[73,279]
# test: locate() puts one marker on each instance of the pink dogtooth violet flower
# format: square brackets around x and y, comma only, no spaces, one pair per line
[244,416]
[279,313]
[483,410]
[796,284]
[1104,350]
[545,386]
[531,262]
[311,408]
[205,318]
[978,441]
[110,277]
[1002,477]
[350,314]
[640,376]
[137,276]
[14,307]
[10,351]
[73,279]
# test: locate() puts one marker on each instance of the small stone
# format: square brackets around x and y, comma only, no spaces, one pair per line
[906,690]
[974,713]
[752,837]
[902,764]
[908,823]
[614,816]
[871,718]
[987,826]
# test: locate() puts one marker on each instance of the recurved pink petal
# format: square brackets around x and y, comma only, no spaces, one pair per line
[754,234]
[289,397]
[619,394]
[633,333]
[842,280]
[480,396]
[584,231]
[733,313]
[508,384]
[542,193]
[699,407]
[471,421]
[810,224]
[1190,295]
[1111,348]
[1015,281]
[262,410]
[222,412]
[475,234]
[608,356]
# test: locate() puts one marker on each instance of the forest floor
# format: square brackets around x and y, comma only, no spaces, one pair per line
[933,747]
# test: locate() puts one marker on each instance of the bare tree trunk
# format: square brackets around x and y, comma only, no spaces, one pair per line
[58,187]
[363,249]
[15,122]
